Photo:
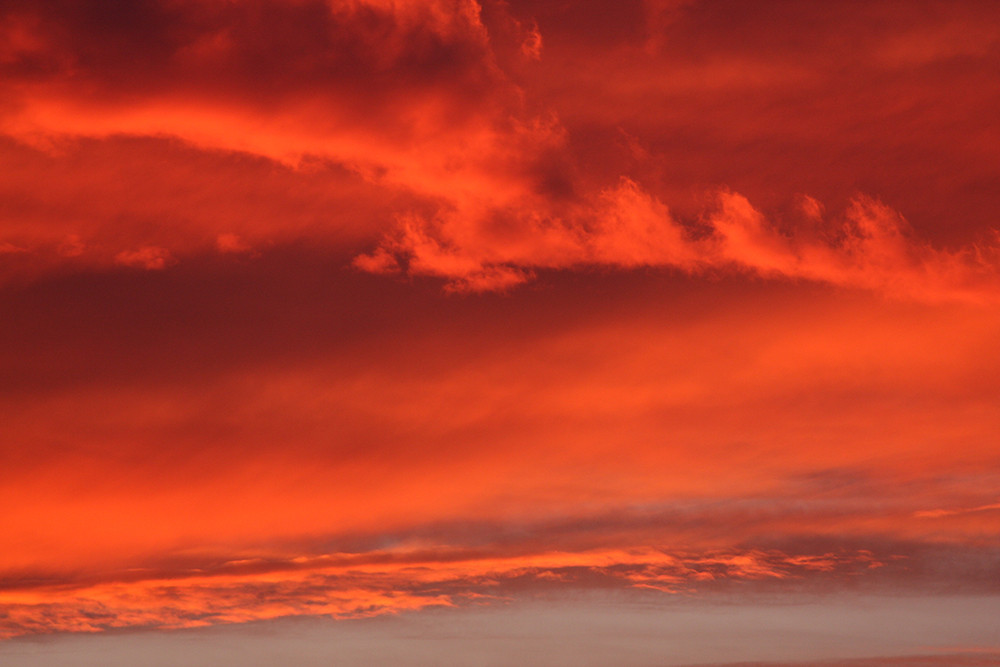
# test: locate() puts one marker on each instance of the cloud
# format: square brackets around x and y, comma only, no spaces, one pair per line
[938,513]
[147,257]
[363,585]
[474,409]
[687,405]
[494,155]
[869,247]
[228,242]
[405,98]
[106,196]
[405,92]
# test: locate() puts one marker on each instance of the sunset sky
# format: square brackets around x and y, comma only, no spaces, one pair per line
[499,332]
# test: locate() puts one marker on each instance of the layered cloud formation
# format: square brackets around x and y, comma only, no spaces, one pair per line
[452,109]
[357,308]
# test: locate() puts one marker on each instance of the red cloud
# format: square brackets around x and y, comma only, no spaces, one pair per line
[425,99]
[147,257]
[869,247]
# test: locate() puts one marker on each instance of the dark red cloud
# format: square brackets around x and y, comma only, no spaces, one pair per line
[442,100]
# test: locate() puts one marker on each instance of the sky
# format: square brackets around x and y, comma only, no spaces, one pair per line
[499,332]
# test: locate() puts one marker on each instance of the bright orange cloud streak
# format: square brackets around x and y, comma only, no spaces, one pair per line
[352,586]
[628,228]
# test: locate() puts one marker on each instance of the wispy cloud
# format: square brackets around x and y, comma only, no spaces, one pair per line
[361,585]
[869,246]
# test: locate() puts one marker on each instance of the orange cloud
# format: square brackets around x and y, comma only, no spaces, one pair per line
[449,123]
[938,513]
[627,228]
[361,585]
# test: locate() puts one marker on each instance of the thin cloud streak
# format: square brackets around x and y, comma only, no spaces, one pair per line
[369,585]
